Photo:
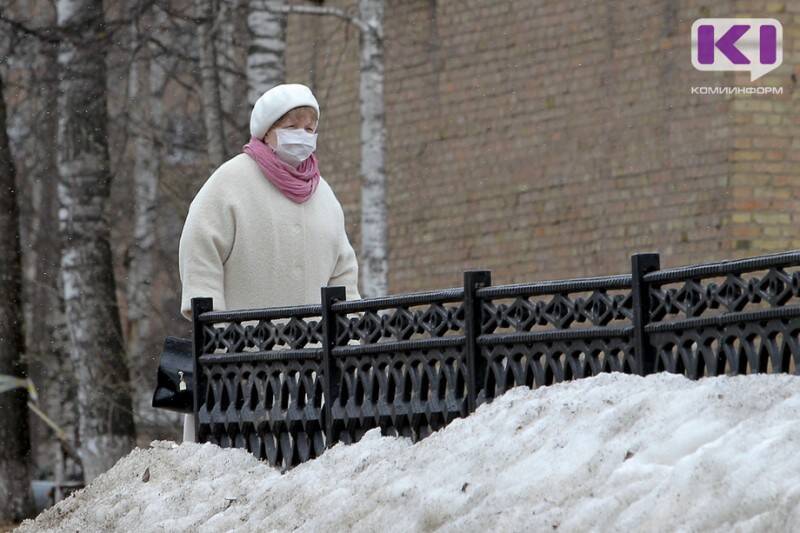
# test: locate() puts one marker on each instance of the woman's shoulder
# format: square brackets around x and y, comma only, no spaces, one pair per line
[225,178]
[325,186]
[326,195]
[237,167]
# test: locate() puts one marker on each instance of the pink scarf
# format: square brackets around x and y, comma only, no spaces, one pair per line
[297,184]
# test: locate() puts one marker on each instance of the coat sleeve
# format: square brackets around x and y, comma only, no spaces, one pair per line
[206,242]
[346,270]
[346,273]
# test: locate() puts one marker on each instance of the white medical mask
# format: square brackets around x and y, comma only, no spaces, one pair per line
[295,145]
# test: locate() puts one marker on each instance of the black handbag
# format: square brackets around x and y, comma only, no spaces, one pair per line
[175,378]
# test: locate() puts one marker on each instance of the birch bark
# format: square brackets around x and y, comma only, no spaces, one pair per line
[374,235]
[373,259]
[47,337]
[106,427]
[231,60]
[209,76]
[146,85]
[266,65]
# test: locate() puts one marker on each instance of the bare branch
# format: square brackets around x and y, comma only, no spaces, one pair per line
[171,50]
[48,34]
[324,11]
[77,31]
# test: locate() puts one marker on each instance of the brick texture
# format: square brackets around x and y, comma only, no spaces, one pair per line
[553,139]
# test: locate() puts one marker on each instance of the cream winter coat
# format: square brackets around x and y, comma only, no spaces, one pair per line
[246,245]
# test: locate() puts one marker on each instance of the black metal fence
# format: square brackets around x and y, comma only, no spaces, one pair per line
[285,383]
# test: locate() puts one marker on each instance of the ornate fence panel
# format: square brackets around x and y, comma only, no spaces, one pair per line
[736,317]
[259,381]
[543,333]
[408,375]
[285,383]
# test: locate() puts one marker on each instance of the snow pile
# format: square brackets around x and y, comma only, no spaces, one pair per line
[615,452]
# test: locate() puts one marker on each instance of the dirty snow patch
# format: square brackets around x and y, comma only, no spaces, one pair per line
[615,452]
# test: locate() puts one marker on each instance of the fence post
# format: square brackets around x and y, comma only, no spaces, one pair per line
[641,264]
[330,377]
[476,365]
[199,306]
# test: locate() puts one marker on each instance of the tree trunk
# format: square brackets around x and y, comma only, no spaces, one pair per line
[16,498]
[374,233]
[209,75]
[231,57]
[266,65]
[106,427]
[47,337]
[146,85]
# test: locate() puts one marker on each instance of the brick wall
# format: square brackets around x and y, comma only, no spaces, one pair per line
[550,139]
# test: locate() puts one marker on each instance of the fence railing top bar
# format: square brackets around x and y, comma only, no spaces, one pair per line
[267,313]
[414,298]
[557,286]
[274,355]
[722,268]
[554,335]
[398,346]
[790,311]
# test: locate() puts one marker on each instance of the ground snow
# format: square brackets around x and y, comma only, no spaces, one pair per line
[615,452]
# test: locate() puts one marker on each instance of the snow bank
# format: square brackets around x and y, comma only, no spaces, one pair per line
[615,452]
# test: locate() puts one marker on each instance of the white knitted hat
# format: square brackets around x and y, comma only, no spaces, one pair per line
[276,102]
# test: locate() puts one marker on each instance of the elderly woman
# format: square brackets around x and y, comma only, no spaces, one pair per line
[266,229]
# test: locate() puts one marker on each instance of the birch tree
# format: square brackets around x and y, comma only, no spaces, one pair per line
[47,338]
[106,427]
[266,63]
[231,41]
[374,234]
[16,499]
[147,80]
[209,76]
